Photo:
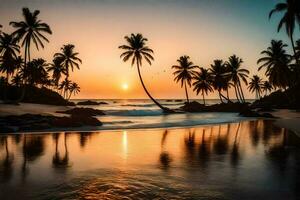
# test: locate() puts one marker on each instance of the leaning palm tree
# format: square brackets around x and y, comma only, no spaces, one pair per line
[30,30]
[203,82]
[68,58]
[73,89]
[290,19]
[237,73]
[57,70]
[276,61]
[267,87]
[185,71]
[255,85]
[136,49]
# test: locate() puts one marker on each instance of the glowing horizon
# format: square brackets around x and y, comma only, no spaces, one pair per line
[204,30]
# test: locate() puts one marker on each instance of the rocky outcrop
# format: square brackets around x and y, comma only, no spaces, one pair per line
[83,112]
[31,122]
[90,103]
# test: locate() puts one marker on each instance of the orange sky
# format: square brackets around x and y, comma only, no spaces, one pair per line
[173,29]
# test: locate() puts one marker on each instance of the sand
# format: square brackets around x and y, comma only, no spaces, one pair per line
[289,119]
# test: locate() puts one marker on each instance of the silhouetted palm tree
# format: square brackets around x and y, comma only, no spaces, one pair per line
[255,85]
[73,89]
[276,62]
[57,70]
[31,30]
[136,49]
[202,82]
[17,80]
[267,87]
[64,87]
[8,52]
[219,81]
[291,17]
[184,73]
[237,73]
[35,72]
[69,58]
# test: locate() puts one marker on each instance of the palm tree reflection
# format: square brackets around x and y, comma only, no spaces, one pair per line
[164,157]
[58,161]
[235,155]
[6,164]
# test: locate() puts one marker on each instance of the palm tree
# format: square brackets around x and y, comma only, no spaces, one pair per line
[57,70]
[68,58]
[276,62]
[64,87]
[267,87]
[291,17]
[236,74]
[202,82]
[8,52]
[136,49]
[219,80]
[255,85]
[35,72]
[74,89]
[17,80]
[30,30]
[184,73]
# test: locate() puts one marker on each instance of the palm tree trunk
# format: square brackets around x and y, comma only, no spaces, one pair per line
[186,92]
[227,94]
[160,106]
[294,50]
[220,96]
[236,93]
[242,91]
[203,98]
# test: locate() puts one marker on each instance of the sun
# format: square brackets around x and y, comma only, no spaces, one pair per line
[125,86]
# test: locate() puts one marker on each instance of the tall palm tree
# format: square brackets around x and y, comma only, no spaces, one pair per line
[57,70]
[267,87]
[291,17]
[69,58]
[237,73]
[184,73]
[73,89]
[8,52]
[255,85]
[219,80]
[136,49]
[276,61]
[203,82]
[30,30]
[35,72]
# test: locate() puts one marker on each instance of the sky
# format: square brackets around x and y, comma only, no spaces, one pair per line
[203,29]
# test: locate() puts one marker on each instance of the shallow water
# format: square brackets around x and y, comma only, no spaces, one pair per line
[143,113]
[246,160]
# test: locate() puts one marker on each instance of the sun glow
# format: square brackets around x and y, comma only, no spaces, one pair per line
[125,86]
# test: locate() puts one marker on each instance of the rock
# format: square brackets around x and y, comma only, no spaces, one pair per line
[178,100]
[7,129]
[88,103]
[76,121]
[195,106]
[267,115]
[83,111]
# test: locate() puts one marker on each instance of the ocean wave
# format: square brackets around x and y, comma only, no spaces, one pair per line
[134,112]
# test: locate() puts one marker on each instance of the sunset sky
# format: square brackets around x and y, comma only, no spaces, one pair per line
[203,29]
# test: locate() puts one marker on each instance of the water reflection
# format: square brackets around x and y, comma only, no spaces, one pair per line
[213,162]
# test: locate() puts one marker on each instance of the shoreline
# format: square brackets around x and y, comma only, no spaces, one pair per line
[95,129]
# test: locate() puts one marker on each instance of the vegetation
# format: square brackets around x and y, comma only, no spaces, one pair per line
[136,49]
[184,73]
[23,72]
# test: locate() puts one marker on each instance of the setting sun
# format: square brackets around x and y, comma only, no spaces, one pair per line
[125,86]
